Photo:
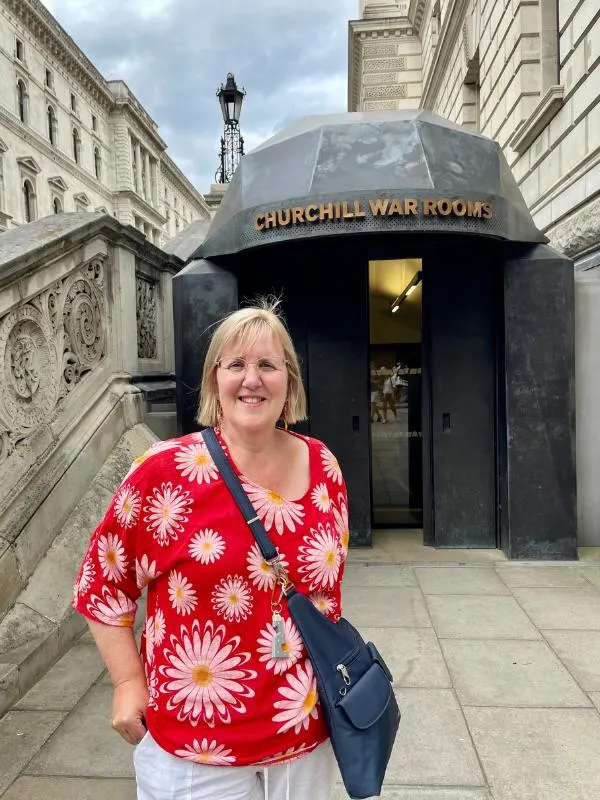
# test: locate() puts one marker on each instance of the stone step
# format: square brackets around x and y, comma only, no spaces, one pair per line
[41,625]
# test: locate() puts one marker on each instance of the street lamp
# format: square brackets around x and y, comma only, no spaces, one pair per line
[232,144]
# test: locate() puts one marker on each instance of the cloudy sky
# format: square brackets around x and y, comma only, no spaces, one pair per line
[290,56]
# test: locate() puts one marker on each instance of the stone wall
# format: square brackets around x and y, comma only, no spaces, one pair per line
[85,303]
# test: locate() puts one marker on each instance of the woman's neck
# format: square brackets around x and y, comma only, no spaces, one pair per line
[253,443]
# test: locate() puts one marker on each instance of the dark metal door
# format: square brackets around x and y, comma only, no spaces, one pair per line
[460,329]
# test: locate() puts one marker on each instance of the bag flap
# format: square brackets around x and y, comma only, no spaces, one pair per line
[368,698]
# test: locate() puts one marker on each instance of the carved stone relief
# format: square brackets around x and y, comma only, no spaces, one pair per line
[46,346]
[381,105]
[386,64]
[374,50]
[380,79]
[147,300]
[396,92]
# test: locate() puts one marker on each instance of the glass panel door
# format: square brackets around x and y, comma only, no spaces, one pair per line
[395,304]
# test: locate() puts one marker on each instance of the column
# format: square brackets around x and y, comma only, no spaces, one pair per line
[138,165]
[147,190]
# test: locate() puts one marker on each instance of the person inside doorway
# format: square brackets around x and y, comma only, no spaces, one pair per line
[376,403]
[388,398]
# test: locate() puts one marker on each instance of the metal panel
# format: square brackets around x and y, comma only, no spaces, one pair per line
[461,341]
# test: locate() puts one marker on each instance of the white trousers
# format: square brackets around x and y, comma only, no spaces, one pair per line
[162,776]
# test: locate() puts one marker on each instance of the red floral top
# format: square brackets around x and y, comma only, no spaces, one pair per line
[217,695]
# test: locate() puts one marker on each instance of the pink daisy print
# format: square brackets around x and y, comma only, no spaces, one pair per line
[87,574]
[152,681]
[195,462]
[300,703]
[320,558]
[232,598]
[145,572]
[149,638]
[261,573]
[340,516]
[111,555]
[206,752]
[113,608]
[205,676]
[160,627]
[273,509]
[292,647]
[181,593]
[320,497]
[127,506]
[207,546]
[167,512]
[323,602]
[331,466]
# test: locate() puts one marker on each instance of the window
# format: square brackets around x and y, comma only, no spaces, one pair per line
[76,146]
[22,100]
[73,103]
[57,206]
[19,50]
[97,163]
[49,78]
[94,123]
[28,201]
[52,126]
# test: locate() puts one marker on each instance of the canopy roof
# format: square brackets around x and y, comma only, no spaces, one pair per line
[362,157]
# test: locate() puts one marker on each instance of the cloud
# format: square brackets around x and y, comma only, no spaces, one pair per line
[290,55]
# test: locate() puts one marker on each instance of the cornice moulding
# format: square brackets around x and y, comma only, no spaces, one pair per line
[546,110]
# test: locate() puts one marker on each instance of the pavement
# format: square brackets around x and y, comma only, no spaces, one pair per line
[497,673]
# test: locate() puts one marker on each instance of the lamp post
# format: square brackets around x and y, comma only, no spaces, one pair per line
[232,144]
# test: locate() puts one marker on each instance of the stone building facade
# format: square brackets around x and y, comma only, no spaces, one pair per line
[527,74]
[72,141]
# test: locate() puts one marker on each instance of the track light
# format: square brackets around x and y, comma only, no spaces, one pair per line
[415,281]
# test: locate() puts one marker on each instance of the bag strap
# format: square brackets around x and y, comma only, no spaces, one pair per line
[266,546]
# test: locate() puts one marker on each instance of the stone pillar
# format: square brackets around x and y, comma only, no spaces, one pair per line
[125,309]
[203,293]
[148,183]
[537,443]
[587,381]
[138,164]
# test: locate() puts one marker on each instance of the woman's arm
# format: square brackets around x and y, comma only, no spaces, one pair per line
[130,698]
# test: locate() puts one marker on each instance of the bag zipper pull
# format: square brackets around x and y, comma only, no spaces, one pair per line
[343,670]
[278,649]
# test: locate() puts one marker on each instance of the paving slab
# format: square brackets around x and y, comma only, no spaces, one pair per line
[420,793]
[85,745]
[433,746]
[566,609]
[379,575]
[68,680]
[22,733]
[592,574]
[460,580]
[413,656]
[30,788]
[396,608]
[510,673]
[595,698]
[477,617]
[542,577]
[538,754]
[580,653]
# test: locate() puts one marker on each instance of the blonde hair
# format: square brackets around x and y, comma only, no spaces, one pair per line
[246,326]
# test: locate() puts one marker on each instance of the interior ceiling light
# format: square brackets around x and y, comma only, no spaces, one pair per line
[414,282]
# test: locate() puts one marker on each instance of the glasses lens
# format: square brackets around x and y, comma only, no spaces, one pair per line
[267,364]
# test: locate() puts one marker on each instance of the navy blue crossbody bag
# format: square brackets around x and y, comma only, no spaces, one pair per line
[353,682]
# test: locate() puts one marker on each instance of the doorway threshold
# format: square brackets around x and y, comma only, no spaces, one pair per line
[405,546]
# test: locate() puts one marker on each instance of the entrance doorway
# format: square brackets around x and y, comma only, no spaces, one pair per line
[395,372]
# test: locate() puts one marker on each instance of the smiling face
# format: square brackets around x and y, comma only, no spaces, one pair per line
[252,382]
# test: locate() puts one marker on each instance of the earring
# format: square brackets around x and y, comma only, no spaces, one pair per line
[284,414]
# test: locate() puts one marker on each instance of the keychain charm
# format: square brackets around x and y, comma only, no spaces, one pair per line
[278,647]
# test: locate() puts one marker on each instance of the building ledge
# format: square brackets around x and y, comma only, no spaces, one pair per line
[4,220]
[546,110]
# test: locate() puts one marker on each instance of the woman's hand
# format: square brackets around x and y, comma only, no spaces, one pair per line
[130,700]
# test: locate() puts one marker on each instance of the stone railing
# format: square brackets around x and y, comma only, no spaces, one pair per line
[85,304]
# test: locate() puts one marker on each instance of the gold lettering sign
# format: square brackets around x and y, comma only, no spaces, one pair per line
[334,211]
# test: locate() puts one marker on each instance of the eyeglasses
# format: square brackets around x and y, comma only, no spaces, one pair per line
[237,365]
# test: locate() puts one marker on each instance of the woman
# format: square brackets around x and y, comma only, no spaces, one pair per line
[219,705]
